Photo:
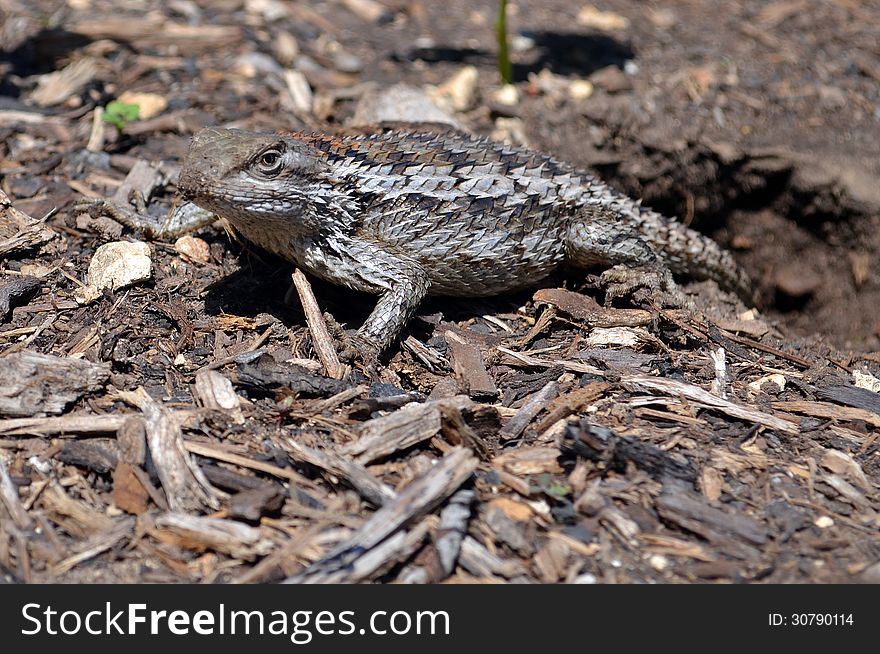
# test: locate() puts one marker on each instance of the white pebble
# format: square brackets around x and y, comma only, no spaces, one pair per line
[119,264]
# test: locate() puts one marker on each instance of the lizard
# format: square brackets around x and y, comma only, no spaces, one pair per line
[409,209]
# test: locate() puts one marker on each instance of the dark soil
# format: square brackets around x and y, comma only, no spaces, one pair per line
[757,122]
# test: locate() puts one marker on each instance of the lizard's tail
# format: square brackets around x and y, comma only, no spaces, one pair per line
[693,254]
[683,250]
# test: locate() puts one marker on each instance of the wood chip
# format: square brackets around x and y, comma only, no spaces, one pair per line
[530,460]
[409,425]
[470,370]
[419,497]
[734,532]
[71,425]
[479,561]
[586,309]
[152,32]
[535,404]
[54,88]
[214,391]
[203,449]
[861,398]
[9,498]
[74,516]
[318,327]
[201,533]
[185,486]
[96,544]
[828,410]
[370,488]
[16,290]
[129,493]
[33,384]
[18,231]
[551,560]
[704,398]
[844,464]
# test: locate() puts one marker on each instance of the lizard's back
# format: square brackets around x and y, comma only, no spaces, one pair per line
[478,216]
[482,217]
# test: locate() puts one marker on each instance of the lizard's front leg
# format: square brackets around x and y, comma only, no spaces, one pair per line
[393,310]
[399,281]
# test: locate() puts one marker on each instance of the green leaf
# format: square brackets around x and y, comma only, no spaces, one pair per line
[549,486]
[557,490]
[120,113]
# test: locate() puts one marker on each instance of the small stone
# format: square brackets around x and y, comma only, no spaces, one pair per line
[24,186]
[871,574]
[824,522]
[591,502]
[796,282]
[659,562]
[546,83]
[460,91]
[580,89]
[662,18]
[612,79]
[271,10]
[299,95]
[590,16]
[400,102]
[119,264]
[370,10]
[520,43]
[345,62]
[832,97]
[149,105]
[776,379]
[252,64]
[285,48]
[193,249]
[860,265]
[511,131]
[506,95]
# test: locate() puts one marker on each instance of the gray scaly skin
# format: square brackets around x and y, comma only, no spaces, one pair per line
[410,209]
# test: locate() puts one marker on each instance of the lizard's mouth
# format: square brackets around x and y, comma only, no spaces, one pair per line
[189,185]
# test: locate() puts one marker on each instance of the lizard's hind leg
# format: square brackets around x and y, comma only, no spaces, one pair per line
[601,238]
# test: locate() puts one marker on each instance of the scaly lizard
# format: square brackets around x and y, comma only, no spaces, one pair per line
[408,210]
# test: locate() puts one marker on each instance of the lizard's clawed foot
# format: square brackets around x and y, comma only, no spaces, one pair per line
[354,348]
[645,285]
[359,350]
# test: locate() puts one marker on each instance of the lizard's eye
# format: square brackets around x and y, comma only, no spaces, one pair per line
[269,162]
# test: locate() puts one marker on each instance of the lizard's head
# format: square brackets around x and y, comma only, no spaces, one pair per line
[249,177]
